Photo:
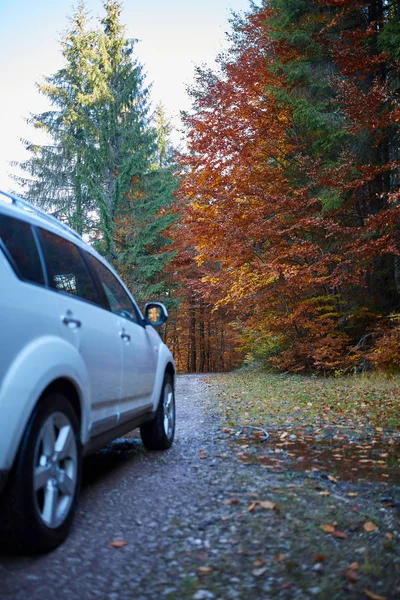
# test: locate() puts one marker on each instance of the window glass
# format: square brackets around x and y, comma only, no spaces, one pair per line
[119,301]
[18,241]
[66,269]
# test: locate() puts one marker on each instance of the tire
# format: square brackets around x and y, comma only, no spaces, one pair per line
[40,498]
[158,434]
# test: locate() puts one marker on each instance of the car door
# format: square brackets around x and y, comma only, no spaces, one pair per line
[88,325]
[140,347]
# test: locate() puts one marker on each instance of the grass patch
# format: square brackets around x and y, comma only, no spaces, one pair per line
[353,402]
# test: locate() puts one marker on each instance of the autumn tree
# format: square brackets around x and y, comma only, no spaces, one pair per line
[292,194]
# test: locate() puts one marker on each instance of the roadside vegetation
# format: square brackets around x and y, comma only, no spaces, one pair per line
[364,405]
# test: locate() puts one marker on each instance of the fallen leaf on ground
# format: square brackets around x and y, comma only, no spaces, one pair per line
[341,535]
[369,526]
[352,494]
[389,536]
[351,576]
[204,570]
[230,502]
[327,528]
[259,562]
[324,493]
[353,566]
[332,478]
[319,558]
[117,544]
[263,504]
[279,557]
[373,596]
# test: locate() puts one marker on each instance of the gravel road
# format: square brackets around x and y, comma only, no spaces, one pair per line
[211,519]
[167,506]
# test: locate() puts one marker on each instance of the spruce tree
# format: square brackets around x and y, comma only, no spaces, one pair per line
[54,177]
[143,247]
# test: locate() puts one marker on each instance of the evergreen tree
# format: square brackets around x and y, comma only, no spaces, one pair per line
[143,244]
[55,175]
[108,168]
[124,142]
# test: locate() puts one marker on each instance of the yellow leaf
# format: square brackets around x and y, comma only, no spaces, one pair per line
[352,494]
[373,596]
[369,526]
[327,528]
[252,506]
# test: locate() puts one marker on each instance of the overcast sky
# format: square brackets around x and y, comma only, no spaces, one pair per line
[174,36]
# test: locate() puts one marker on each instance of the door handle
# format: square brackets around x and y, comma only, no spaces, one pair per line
[68,319]
[125,336]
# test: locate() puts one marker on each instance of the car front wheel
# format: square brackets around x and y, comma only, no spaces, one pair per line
[159,433]
[41,495]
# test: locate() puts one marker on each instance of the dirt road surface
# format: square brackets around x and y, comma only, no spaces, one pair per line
[195,529]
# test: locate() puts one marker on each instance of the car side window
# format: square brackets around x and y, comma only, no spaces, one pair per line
[66,269]
[118,299]
[19,245]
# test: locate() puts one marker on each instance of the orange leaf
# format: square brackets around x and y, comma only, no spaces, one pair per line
[269,505]
[259,562]
[341,535]
[318,558]
[369,526]
[279,557]
[353,566]
[117,544]
[351,576]
[230,502]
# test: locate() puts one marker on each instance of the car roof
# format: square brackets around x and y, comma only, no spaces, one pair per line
[13,205]
[23,207]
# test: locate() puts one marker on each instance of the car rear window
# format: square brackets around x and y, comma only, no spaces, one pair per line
[19,245]
[66,269]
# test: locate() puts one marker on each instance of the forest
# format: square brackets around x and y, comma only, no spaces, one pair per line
[273,237]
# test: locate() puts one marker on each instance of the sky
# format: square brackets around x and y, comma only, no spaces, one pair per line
[174,37]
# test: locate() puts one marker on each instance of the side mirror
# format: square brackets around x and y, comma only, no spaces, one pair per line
[155,313]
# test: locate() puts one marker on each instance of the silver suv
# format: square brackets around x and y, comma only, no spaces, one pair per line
[79,366]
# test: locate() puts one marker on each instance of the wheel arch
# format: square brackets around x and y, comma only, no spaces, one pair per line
[70,391]
[171,371]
